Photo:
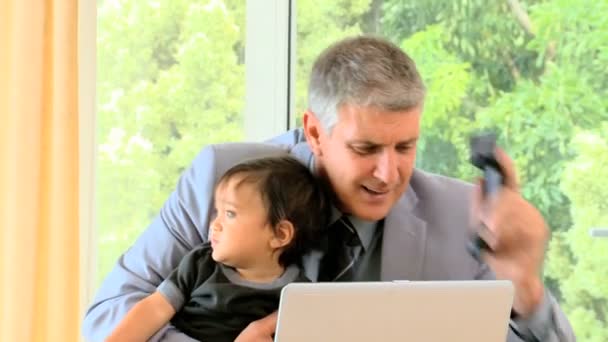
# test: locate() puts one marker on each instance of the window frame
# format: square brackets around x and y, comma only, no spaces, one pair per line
[269,68]
[269,52]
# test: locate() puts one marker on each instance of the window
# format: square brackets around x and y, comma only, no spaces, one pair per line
[534,72]
[171,79]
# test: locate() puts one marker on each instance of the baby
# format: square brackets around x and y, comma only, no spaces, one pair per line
[270,211]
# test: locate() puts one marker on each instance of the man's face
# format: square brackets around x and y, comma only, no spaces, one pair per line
[368,158]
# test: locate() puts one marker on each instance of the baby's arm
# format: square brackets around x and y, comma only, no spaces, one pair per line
[144,319]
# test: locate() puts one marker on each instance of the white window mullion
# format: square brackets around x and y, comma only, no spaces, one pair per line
[268,82]
[293,33]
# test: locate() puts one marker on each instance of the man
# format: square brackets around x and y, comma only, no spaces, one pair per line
[365,105]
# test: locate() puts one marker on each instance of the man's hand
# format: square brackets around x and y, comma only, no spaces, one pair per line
[517,234]
[260,330]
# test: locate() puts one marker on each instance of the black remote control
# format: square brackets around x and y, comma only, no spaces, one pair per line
[483,157]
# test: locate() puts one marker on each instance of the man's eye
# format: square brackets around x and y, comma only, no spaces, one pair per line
[230,214]
[364,150]
[404,148]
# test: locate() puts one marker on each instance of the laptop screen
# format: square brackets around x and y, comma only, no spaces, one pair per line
[395,311]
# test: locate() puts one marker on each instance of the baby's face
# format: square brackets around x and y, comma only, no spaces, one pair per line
[240,234]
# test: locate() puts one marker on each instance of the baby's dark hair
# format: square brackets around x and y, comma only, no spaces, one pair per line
[289,192]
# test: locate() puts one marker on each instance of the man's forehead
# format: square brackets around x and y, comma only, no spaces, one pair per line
[373,125]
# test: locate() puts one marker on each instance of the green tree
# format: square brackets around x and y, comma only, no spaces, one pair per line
[170,80]
[443,144]
[578,261]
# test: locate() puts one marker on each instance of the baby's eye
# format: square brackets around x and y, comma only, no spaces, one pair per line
[230,214]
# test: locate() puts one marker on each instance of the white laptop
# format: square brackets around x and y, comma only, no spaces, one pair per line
[395,311]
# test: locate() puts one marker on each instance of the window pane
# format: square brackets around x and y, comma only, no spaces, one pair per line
[533,71]
[170,80]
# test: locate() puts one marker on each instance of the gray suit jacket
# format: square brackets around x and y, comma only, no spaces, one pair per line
[424,239]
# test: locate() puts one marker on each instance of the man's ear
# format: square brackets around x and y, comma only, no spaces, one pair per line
[283,234]
[312,131]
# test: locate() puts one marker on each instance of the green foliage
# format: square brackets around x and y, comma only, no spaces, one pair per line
[442,147]
[579,262]
[536,79]
[482,32]
[171,80]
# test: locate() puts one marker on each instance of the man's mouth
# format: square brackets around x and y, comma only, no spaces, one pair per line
[374,192]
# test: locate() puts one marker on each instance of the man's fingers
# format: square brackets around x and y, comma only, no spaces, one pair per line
[481,205]
[270,322]
[508,168]
[260,330]
[487,236]
[493,220]
[481,215]
[476,202]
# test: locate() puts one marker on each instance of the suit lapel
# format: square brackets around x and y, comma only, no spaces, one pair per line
[403,241]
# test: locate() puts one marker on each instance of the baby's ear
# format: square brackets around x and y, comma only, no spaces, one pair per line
[283,234]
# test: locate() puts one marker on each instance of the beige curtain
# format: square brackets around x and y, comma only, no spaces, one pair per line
[39,264]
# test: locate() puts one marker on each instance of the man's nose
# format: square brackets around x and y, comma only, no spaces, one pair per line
[386,169]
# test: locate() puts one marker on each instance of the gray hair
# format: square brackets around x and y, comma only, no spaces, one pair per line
[363,71]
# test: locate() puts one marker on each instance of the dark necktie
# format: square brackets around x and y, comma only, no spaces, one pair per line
[338,262]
